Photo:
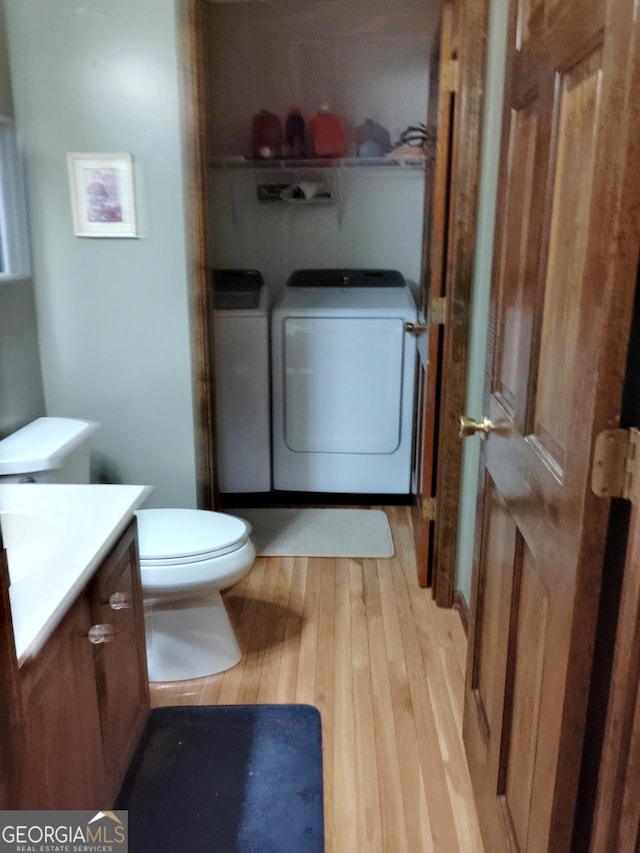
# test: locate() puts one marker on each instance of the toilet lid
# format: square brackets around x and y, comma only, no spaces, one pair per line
[177,534]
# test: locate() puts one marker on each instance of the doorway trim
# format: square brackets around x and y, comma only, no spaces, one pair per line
[192,29]
[472,34]
[455,271]
[473,21]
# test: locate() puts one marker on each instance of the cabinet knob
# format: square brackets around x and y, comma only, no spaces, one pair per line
[120,601]
[98,634]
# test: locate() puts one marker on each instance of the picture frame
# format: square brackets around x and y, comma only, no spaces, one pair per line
[102,194]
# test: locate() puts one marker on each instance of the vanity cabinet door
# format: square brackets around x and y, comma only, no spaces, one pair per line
[121,663]
[10,702]
[64,764]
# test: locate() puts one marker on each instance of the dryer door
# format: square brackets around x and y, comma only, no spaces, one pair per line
[343,384]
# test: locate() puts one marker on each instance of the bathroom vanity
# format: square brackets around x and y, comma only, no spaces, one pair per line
[78,690]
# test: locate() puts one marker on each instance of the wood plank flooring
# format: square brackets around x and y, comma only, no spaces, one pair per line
[362,642]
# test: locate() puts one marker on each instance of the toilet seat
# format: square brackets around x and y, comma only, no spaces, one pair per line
[184,550]
[171,537]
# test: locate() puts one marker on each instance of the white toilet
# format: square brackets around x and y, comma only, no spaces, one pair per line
[187,556]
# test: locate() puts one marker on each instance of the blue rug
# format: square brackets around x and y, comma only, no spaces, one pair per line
[227,779]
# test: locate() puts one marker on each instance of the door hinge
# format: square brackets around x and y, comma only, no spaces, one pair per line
[616,464]
[429,509]
[438,311]
[450,75]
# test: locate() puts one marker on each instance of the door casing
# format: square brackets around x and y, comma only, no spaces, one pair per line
[451,247]
[448,273]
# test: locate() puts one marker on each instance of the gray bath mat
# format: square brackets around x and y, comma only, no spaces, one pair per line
[319,532]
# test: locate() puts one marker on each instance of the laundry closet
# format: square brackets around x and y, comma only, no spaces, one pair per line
[356,216]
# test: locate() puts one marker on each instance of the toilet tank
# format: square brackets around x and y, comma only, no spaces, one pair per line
[48,450]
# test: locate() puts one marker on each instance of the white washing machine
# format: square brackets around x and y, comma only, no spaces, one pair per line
[343,375]
[241,348]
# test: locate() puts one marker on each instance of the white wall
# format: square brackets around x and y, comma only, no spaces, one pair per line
[6,102]
[367,61]
[102,76]
[377,222]
[492,120]
[21,394]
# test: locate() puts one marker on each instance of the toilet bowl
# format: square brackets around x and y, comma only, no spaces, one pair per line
[187,556]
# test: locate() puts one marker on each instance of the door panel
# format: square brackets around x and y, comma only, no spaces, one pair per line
[564,272]
[516,303]
[577,110]
[491,647]
[531,618]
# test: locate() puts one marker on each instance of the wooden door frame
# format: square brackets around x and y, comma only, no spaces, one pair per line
[461,228]
[473,24]
[611,763]
[192,55]
[615,807]
[432,286]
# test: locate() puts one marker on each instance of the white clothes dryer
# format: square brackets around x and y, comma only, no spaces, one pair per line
[241,346]
[343,376]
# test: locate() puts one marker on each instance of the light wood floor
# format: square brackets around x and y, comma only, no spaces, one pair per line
[362,642]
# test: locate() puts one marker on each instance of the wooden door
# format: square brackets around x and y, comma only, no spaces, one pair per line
[11,734]
[121,666]
[438,154]
[451,201]
[564,275]
[62,738]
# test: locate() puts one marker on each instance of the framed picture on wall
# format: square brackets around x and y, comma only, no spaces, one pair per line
[102,196]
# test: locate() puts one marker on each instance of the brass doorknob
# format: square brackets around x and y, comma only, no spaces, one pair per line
[470,427]
[416,329]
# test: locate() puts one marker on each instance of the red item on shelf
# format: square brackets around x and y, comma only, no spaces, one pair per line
[327,134]
[266,135]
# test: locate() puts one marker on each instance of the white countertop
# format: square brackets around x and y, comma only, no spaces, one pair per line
[56,536]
